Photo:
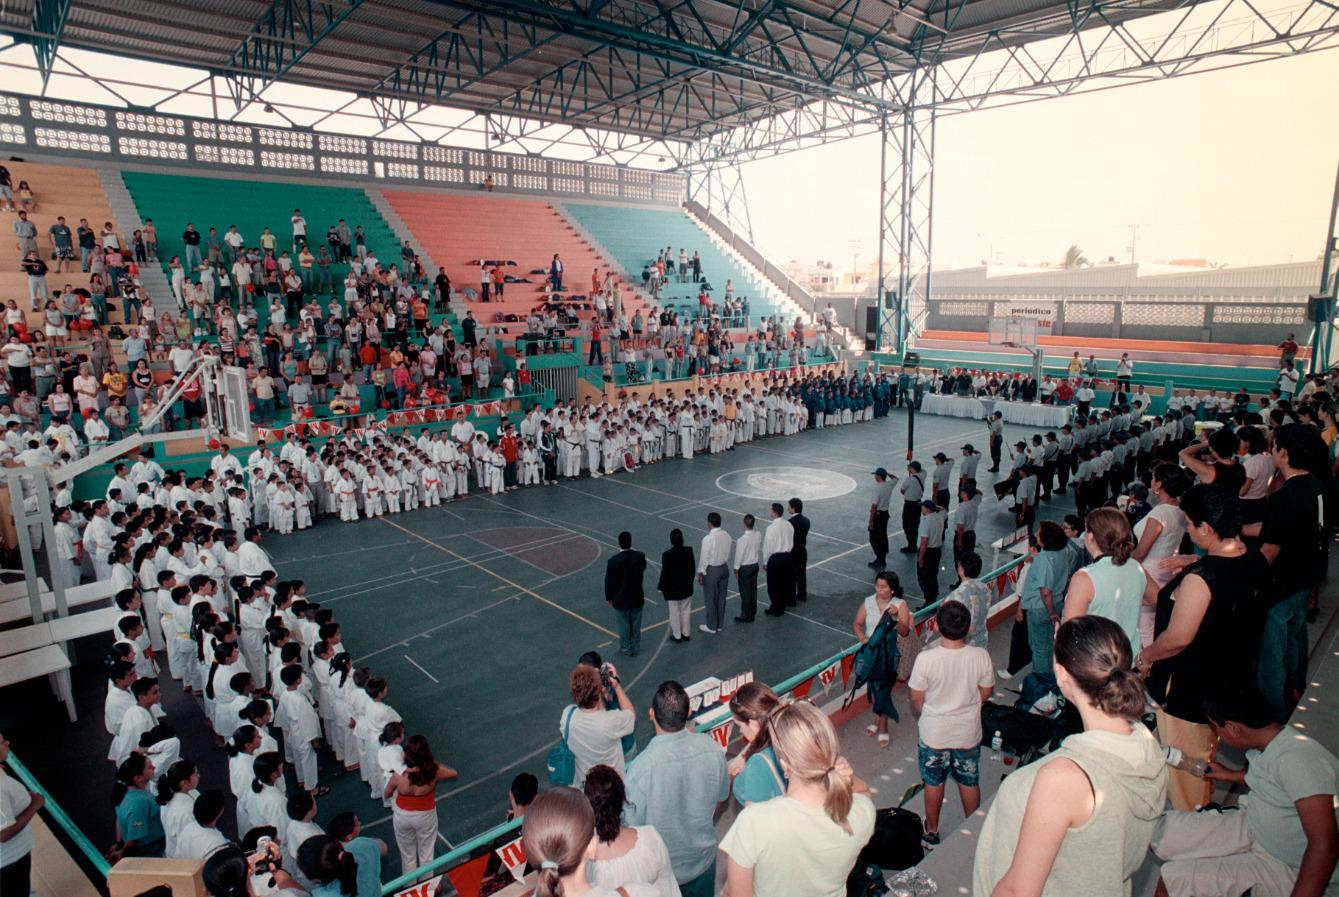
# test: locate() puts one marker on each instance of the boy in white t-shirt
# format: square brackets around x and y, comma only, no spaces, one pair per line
[947,687]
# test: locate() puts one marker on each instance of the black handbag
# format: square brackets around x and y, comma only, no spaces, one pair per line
[896,842]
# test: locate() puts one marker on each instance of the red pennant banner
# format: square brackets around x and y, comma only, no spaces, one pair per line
[512,856]
[848,664]
[802,690]
[467,877]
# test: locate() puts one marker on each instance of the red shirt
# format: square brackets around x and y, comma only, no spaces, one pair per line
[1064,392]
[368,353]
[509,448]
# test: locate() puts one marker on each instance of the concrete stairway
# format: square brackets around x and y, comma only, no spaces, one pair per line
[151,275]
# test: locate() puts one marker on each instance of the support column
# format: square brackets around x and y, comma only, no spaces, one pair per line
[906,202]
[1322,337]
[719,188]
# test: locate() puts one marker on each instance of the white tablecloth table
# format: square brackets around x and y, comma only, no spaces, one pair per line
[1026,413]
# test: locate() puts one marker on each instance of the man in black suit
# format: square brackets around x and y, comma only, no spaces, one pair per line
[625,594]
[799,552]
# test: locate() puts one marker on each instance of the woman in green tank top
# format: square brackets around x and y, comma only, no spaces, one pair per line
[1079,820]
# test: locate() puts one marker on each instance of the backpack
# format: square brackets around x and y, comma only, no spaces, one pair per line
[562,763]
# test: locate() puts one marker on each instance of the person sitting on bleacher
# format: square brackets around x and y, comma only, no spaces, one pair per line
[1284,840]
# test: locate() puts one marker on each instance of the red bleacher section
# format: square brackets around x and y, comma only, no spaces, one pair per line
[456,231]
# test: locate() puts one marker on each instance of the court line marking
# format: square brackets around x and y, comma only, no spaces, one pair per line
[607,540]
[415,664]
[445,623]
[317,557]
[498,576]
[444,567]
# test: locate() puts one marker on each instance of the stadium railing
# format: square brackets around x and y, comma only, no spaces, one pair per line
[1000,579]
[53,812]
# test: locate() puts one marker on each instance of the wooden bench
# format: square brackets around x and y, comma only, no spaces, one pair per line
[14,591]
[20,609]
[39,650]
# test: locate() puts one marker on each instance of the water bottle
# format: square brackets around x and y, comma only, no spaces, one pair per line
[1178,760]
[996,746]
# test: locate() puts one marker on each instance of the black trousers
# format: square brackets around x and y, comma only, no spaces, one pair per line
[968,544]
[942,498]
[1020,651]
[927,574]
[878,535]
[911,521]
[780,583]
[995,444]
[1062,469]
[748,591]
[799,566]
[16,878]
[1047,479]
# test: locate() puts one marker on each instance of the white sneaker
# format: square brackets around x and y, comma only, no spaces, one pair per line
[707,629]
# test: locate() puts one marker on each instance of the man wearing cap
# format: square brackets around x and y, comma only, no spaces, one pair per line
[964,520]
[967,468]
[878,516]
[913,491]
[929,549]
[995,424]
[939,479]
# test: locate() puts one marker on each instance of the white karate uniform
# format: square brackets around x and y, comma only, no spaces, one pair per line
[302,725]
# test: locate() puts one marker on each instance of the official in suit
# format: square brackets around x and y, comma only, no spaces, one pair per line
[624,591]
[799,552]
[677,567]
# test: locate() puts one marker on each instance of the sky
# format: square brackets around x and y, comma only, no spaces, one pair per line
[1236,166]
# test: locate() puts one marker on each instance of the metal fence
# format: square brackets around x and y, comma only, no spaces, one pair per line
[127,136]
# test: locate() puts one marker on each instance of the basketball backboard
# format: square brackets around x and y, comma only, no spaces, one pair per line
[236,402]
[1019,332]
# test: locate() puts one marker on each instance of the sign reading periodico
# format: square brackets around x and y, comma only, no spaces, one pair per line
[1044,313]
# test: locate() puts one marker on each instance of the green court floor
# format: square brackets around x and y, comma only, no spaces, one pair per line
[476,611]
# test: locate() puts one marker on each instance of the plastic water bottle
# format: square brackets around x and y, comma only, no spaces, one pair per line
[1178,760]
[996,746]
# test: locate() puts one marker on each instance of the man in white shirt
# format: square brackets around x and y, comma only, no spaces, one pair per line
[947,687]
[748,548]
[776,545]
[713,572]
[299,231]
[181,356]
[251,558]
[224,463]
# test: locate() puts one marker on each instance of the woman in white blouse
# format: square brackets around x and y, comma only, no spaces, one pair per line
[624,853]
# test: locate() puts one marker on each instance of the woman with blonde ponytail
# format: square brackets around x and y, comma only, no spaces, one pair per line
[1048,833]
[805,843]
[559,839]
[1114,585]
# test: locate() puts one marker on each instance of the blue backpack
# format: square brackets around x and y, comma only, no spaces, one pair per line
[561,761]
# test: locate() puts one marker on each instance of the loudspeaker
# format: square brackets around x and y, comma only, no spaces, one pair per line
[1318,309]
[872,319]
[889,299]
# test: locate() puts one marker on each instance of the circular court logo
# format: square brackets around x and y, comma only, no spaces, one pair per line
[781,483]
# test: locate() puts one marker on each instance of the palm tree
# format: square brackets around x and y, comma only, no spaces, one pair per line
[1074,257]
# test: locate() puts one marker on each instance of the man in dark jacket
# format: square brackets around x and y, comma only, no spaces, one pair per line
[799,554]
[625,594]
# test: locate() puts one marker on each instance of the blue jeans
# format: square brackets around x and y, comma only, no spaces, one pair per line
[629,630]
[264,408]
[1283,653]
[1041,639]
[702,886]
[190,257]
